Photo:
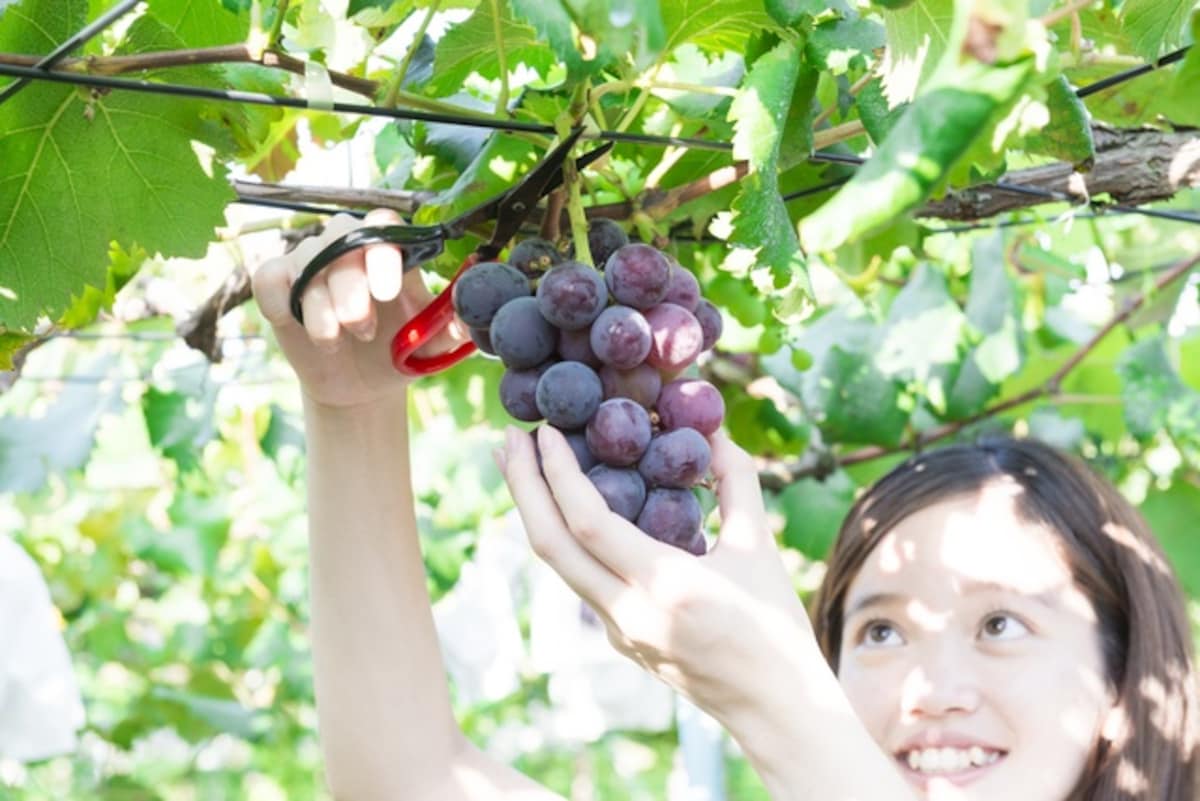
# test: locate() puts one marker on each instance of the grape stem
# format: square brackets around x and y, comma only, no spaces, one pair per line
[397,79]
[502,60]
[571,179]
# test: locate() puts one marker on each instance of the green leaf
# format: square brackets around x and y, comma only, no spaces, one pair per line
[854,402]
[917,36]
[204,24]
[31,448]
[759,426]
[923,328]
[1068,135]
[636,30]
[180,423]
[713,24]
[462,50]
[1155,26]
[1172,515]
[836,44]
[814,511]
[926,142]
[1154,396]
[760,112]
[876,113]
[61,203]
[1187,78]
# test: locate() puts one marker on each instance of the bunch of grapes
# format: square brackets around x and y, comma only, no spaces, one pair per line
[600,355]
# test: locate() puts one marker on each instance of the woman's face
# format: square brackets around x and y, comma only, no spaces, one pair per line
[968,653]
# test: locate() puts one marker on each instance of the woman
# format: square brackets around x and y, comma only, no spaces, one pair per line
[901,686]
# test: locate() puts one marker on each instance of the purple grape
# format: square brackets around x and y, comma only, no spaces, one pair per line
[521,336]
[604,237]
[578,443]
[576,346]
[637,275]
[690,403]
[482,337]
[572,295]
[678,458]
[623,489]
[568,394]
[534,256]
[641,384]
[673,516]
[482,290]
[619,432]
[676,337]
[683,289]
[518,390]
[621,337]
[710,323]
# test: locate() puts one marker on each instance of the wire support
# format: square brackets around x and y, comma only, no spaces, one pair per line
[1129,74]
[103,21]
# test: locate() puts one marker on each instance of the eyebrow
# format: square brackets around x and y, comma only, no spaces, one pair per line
[1046,599]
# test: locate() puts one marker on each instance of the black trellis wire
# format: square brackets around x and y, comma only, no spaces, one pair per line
[99,24]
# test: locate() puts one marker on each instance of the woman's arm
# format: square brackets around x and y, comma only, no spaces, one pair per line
[726,629]
[386,725]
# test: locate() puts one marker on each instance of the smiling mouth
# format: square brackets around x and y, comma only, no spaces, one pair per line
[922,770]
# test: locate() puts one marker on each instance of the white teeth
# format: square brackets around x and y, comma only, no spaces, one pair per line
[949,760]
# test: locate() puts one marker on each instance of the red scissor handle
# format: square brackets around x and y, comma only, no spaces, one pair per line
[425,326]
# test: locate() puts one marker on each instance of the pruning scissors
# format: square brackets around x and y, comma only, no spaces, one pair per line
[420,243]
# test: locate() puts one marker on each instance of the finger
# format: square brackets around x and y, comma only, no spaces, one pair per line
[607,536]
[351,297]
[385,264]
[270,285]
[743,516]
[548,533]
[320,321]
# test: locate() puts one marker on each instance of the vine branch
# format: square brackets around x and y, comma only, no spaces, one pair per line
[777,479]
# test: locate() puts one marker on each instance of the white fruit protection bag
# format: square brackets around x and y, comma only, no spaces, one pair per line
[40,703]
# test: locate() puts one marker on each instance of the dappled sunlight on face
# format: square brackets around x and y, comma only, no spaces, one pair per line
[964,625]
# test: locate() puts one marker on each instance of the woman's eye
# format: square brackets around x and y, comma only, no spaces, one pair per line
[1003,626]
[877,633]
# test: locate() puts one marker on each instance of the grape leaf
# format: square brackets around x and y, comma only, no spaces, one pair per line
[1172,515]
[814,511]
[853,401]
[204,24]
[1155,398]
[636,30]
[834,45]
[1068,135]
[713,24]
[61,438]
[471,46]
[80,172]
[760,112]
[876,114]
[923,328]
[1155,25]
[917,35]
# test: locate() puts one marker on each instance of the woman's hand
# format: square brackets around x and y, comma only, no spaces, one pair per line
[352,309]
[722,628]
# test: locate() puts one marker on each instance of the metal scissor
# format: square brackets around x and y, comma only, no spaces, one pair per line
[420,243]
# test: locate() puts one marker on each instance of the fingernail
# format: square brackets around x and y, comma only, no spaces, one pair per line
[501,459]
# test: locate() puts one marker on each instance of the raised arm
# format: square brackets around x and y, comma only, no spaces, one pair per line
[725,629]
[386,726]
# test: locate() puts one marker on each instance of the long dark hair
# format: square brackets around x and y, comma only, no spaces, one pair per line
[1115,561]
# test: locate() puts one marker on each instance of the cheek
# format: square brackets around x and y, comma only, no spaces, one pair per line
[873,690]
[1064,702]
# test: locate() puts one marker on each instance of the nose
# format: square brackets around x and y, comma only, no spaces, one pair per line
[942,681]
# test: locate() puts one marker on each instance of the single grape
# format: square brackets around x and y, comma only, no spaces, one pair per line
[576,346]
[568,394]
[676,337]
[521,336]
[641,384]
[619,432]
[572,295]
[673,516]
[578,443]
[683,289]
[482,337]
[678,458]
[710,323]
[623,489]
[621,337]
[534,256]
[604,237]
[690,403]
[637,275]
[518,389]
[480,291]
